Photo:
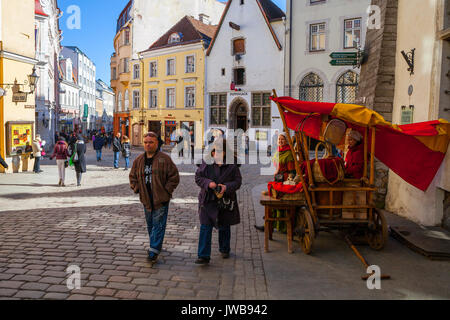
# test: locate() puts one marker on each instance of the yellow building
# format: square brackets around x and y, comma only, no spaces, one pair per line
[17,107]
[172,93]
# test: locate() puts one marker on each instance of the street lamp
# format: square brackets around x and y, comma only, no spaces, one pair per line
[32,80]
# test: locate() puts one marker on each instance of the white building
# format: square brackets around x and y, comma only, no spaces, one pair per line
[69,97]
[47,53]
[86,71]
[246,52]
[315,29]
[159,16]
[107,96]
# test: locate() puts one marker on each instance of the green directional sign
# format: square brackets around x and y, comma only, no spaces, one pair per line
[344,55]
[347,62]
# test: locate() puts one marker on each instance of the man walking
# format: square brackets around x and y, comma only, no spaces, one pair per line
[99,143]
[117,149]
[155,177]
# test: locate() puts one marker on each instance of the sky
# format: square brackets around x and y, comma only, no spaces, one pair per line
[95,36]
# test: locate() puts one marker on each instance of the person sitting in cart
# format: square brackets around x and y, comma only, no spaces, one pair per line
[285,165]
[354,160]
[283,159]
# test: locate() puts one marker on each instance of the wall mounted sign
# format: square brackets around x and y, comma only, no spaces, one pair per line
[18,135]
[19,97]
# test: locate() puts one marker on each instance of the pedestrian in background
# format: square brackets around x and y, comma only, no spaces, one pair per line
[218,205]
[3,162]
[37,149]
[99,143]
[126,151]
[117,148]
[109,138]
[79,158]
[155,177]
[61,153]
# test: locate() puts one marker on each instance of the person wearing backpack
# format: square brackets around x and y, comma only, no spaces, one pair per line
[61,153]
[126,151]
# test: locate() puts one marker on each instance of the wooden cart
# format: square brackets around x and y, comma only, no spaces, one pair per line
[324,205]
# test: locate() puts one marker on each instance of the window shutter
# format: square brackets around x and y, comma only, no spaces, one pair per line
[239,46]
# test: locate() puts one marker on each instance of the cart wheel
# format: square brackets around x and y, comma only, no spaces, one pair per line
[306,231]
[377,236]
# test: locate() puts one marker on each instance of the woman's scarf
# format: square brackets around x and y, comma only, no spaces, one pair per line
[284,155]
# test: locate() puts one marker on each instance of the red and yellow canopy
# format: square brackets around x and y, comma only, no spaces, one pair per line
[414,151]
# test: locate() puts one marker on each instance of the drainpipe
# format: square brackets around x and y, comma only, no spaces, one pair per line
[290,48]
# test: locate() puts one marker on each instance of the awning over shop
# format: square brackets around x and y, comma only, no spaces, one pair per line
[414,151]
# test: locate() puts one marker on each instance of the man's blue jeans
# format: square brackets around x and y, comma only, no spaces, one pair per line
[99,154]
[156,227]
[116,159]
[127,162]
[204,241]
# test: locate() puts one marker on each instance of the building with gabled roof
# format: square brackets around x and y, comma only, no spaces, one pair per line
[245,62]
[172,95]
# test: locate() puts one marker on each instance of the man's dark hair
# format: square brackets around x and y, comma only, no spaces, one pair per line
[151,134]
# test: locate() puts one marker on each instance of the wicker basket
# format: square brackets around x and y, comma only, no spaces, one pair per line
[335,131]
[317,172]
[287,196]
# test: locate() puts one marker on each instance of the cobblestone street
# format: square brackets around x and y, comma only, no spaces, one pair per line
[100,227]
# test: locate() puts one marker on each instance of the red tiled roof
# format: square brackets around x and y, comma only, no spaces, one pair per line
[193,31]
[38,8]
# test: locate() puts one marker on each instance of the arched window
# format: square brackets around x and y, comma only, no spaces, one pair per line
[127,100]
[347,87]
[174,37]
[119,102]
[311,88]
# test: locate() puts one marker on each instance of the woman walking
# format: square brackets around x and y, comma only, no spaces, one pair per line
[79,159]
[218,206]
[126,151]
[61,153]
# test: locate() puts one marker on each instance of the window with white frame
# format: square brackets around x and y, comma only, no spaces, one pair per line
[127,100]
[174,38]
[352,33]
[261,111]
[317,37]
[153,69]
[136,71]
[190,97]
[218,109]
[153,98]
[170,67]
[170,97]
[136,99]
[190,64]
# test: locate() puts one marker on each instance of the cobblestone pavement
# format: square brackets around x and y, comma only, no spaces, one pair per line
[100,227]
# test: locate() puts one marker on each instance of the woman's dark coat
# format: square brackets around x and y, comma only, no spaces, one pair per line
[80,165]
[230,177]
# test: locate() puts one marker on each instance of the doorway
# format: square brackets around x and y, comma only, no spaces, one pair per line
[241,123]
[169,132]
[137,135]
[155,126]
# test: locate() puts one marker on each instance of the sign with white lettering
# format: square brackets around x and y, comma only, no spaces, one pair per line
[19,97]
